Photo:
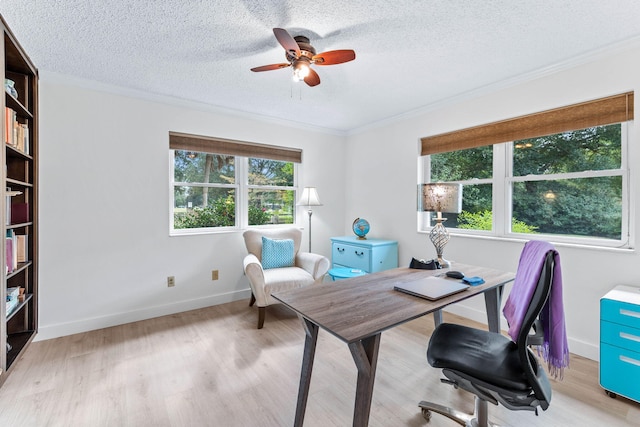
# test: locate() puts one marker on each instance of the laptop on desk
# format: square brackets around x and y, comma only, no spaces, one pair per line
[431,288]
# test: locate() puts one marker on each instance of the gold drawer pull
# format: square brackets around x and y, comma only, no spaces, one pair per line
[629,337]
[630,360]
[630,313]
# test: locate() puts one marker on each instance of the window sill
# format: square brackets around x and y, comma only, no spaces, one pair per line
[226,230]
[575,245]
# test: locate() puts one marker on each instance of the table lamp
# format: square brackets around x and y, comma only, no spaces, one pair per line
[439,198]
[309,198]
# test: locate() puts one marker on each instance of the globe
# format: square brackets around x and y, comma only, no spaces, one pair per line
[361,227]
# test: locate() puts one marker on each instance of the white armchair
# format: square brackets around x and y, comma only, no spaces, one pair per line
[308,268]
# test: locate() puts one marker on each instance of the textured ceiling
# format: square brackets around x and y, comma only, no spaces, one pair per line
[410,54]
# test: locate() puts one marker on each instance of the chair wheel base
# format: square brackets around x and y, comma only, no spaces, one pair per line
[477,419]
[426,414]
[429,407]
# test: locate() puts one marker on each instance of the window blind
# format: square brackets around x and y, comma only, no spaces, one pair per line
[207,144]
[603,111]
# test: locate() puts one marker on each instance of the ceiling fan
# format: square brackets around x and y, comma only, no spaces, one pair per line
[301,55]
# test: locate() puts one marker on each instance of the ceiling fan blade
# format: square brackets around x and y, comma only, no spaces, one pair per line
[334,57]
[271,67]
[288,43]
[313,79]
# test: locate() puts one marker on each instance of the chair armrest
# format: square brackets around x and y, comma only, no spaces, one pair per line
[255,274]
[317,265]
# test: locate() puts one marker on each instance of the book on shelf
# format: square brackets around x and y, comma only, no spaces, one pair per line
[19,213]
[22,247]
[9,193]
[9,255]
[17,250]
[9,118]
[16,134]
[13,299]
[11,249]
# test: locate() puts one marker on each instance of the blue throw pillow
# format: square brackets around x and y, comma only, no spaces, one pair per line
[277,253]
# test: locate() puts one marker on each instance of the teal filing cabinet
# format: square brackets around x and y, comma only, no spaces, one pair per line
[369,255]
[620,342]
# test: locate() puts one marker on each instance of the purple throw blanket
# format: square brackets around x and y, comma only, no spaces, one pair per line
[554,349]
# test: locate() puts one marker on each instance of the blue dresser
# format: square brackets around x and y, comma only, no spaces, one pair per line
[369,255]
[620,342]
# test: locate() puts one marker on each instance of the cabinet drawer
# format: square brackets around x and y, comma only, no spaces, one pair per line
[620,336]
[620,371]
[351,256]
[620,312]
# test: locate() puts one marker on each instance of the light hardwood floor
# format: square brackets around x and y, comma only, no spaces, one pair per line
[211,367]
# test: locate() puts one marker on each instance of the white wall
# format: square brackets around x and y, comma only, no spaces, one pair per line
[382,185]
[105,250]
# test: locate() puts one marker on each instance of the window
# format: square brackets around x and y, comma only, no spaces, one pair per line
[569,186]
[473,168]
[271,192]
[217,184]
[204,190]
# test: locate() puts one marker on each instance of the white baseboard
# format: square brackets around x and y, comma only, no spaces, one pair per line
[89,324]
[581,348]
[578,347]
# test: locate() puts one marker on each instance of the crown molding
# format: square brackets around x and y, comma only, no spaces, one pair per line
[65,79]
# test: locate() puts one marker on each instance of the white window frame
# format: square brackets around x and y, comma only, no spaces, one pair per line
[502,198]
[241,186]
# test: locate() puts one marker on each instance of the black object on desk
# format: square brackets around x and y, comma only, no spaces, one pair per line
[455,274]
[421,264]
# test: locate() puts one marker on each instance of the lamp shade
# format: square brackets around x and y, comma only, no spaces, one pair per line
[309,197]
[440,197]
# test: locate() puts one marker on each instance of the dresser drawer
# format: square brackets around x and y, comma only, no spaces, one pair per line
[620,371]
[620,312]
[351,256]
[620,336]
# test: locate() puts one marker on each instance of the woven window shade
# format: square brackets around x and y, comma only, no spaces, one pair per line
[603,111]
[206,144]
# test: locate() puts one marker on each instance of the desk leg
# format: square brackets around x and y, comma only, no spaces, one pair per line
[492,301]
[311,331]
[437,318]
[365,354]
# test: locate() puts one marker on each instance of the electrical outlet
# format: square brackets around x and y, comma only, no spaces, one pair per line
[214,274]
[171,281]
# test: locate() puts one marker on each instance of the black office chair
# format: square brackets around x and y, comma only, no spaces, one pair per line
[491,365]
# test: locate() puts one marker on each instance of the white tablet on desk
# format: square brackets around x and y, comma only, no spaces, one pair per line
[431,288]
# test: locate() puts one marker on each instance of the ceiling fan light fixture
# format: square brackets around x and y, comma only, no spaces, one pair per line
[301,55]
[300,70]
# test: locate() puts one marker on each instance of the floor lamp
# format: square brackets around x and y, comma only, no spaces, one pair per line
[440,197]
[309,198]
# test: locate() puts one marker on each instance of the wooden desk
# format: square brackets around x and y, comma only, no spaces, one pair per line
[359,309]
